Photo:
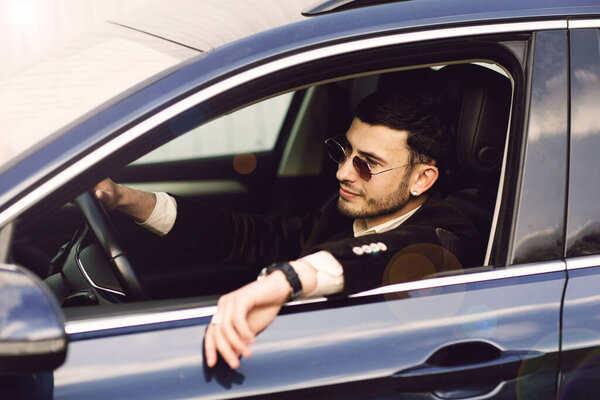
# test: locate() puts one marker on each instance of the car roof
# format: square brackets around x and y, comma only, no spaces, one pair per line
[447,7]
[204,25]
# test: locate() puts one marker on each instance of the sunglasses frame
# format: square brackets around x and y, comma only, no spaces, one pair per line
[357,162]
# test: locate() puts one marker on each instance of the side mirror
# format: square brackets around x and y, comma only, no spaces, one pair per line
[32,330]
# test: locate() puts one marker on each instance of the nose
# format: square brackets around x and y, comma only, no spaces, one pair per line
[346,171]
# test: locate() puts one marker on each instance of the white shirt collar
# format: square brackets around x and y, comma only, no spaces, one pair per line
[360,225]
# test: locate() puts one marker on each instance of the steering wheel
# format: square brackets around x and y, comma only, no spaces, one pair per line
[112,245]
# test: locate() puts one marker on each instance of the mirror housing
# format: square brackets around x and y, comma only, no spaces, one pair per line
[32,329]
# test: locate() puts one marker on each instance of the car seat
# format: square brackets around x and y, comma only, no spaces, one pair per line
[482,98]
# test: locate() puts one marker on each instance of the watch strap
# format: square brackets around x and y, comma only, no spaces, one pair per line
[290,275]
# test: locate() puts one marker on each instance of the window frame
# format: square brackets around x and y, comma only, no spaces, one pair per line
[350,49]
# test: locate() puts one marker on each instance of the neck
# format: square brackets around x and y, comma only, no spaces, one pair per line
[410,205]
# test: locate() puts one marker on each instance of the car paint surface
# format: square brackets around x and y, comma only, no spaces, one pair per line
[20,297]
[581,330]
[323,345]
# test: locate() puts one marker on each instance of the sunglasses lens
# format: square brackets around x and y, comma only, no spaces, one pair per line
[362,169]
[340,154]
[335,151]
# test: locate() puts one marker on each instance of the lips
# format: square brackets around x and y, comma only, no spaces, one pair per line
[347,194]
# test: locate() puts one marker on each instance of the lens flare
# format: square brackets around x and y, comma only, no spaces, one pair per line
[244,163]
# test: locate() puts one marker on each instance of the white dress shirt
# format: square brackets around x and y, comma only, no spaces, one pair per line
[330,274]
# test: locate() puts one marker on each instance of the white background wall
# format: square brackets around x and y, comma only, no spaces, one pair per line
[40,93]
[31,29]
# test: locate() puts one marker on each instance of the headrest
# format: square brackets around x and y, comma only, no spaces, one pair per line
[482,98]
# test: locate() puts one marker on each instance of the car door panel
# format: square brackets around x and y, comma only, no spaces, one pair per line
[347,350]
[581,330]
[580,364]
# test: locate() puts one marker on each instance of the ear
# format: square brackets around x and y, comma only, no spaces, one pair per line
[427,176]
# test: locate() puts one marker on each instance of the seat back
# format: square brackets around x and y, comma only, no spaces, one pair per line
[482,99]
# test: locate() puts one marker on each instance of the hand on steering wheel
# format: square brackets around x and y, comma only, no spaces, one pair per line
[110,242]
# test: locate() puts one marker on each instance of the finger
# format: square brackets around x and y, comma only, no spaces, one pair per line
[227,306]
[230,334]
[104,196]
[210,350]
[224,339]
[223,347]
[240,322]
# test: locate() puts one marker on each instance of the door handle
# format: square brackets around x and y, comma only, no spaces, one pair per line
[466,363]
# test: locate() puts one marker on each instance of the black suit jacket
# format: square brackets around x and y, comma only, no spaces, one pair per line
[435,238]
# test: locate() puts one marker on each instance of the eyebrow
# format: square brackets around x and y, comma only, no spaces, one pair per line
[365,153]
[371,156]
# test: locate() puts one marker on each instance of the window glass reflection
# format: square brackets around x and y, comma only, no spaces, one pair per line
[583,226]
[539,231]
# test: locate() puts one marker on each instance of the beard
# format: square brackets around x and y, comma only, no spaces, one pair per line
[377,206]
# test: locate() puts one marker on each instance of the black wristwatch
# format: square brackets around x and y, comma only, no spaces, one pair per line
[290,275]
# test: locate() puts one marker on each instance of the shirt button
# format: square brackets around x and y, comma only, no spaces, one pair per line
[358,250]
[366,248]
[381,246]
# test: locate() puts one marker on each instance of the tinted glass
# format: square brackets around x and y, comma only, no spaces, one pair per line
[583,226]
[539,232]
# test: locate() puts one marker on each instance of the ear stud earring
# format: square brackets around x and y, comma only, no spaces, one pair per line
[415,193]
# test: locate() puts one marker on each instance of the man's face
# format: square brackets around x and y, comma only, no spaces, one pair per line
[383,148]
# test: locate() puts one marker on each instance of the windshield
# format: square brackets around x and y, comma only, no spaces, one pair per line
[39,100]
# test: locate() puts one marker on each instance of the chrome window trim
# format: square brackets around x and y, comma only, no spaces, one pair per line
[335,49]
[504,273]
[583,262]
[583,23]
[500,192]
[90,281]
[6,235]
[127,320]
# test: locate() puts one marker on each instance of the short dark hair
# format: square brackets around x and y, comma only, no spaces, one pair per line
[423,113]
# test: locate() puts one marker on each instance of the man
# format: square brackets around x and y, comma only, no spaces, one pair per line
[387,224]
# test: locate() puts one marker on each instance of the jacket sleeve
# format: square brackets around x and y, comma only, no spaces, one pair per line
[436,240]
[217,234]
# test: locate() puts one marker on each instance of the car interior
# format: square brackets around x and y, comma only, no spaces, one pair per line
[289,177]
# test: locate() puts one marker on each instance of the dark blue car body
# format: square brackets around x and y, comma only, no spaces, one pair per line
[526,324]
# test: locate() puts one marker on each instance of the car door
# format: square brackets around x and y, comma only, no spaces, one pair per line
[490,332]
[581,327]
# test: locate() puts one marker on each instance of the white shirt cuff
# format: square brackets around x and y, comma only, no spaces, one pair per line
[163,216]
[330,274]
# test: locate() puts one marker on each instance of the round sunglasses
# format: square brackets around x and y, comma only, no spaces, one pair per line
[338,153]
